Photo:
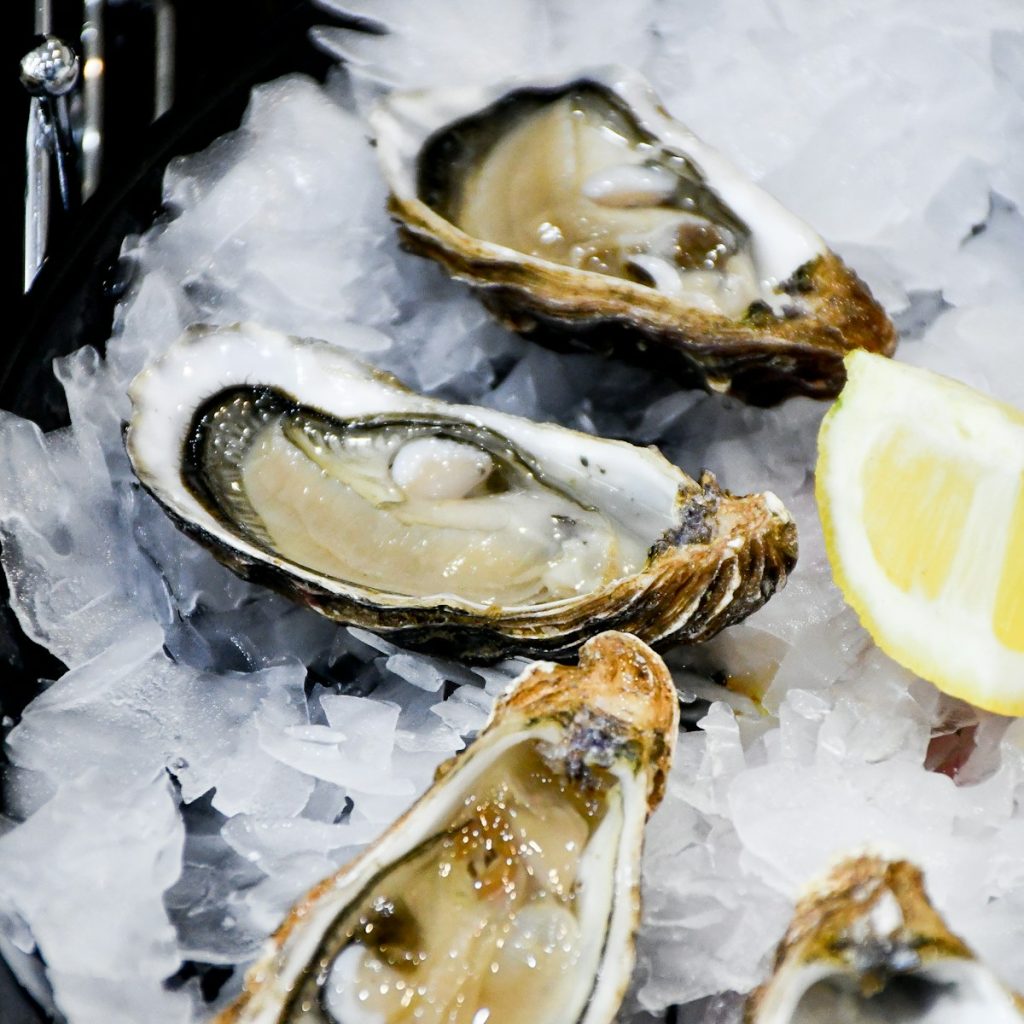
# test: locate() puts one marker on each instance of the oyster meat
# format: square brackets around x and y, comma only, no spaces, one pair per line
[509,892]
[581,209]
[867,947]
[452,527]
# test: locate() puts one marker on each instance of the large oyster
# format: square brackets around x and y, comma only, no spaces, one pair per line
[449,526]
[581,208]
[509,892]
[867,947]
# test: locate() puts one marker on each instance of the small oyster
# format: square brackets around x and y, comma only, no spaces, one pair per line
[510,890]
[868,948]
[451,527]
[582,209]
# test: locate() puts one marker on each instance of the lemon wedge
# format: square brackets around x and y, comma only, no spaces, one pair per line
[920,486]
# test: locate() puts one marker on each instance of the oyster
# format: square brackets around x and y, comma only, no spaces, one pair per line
[869,948]
[452,527]
[509,892]
[582,209]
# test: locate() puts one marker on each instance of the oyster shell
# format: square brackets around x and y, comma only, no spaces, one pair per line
[509,891]
[451,527]
[869,948]
[582,209]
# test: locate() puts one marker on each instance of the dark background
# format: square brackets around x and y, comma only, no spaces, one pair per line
[223,48]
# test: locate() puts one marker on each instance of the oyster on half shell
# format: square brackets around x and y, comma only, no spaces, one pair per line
[452,527]
[582,210]
[509,891]
[867,947]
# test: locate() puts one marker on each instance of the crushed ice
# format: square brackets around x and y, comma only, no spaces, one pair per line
[213,750]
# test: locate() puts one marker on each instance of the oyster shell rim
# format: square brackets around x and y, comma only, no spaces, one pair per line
[543,299]
[834,905]
[685,591]
[646,709]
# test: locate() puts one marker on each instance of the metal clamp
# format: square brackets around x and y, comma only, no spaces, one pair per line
[49,72]
[66,113]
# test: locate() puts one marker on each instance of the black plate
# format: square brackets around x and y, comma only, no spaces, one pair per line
[224,48]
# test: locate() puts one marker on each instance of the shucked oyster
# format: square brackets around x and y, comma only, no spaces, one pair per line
[583,209]
[509,892]
[868,948]
[455,527]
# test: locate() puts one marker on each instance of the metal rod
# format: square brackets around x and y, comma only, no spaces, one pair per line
[92,94]
[37,192]
[63,145]
[44,18]
[37,169]
[49,72]
[164,44]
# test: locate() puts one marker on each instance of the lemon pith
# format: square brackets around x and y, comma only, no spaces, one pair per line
[920,488]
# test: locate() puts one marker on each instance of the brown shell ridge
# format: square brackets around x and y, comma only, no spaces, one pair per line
[762,359]
[831,925]
[748,557]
